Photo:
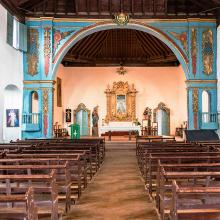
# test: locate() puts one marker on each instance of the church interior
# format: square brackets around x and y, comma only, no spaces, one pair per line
[109,109]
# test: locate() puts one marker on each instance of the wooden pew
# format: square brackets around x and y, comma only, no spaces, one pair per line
[190,178]
[183,204]
[151,173]
[44,184]
[91,151]
[77,165]
[144,160]
[26,209]
[63,179]
[93,140]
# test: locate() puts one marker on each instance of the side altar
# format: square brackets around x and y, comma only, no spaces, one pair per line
[121,108]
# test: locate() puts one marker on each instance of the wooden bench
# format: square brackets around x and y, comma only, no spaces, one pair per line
[83,155]
[63,179]
[78,167]
[192,178]
[26,209]
[151,173]
[44,184]
[183,202]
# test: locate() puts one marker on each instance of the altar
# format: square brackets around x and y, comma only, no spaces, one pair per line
[120,126]
[121,109]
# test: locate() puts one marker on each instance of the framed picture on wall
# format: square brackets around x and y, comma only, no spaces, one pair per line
[59,92]
[68,115]
[12,117]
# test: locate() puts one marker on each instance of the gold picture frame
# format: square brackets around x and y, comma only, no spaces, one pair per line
[121,102]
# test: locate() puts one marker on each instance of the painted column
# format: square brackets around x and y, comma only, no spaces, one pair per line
[218,72]
[194,97]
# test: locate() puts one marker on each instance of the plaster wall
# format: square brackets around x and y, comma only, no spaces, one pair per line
[154,85]
[11,71]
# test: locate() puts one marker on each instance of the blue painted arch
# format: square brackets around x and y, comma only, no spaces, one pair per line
[110,25]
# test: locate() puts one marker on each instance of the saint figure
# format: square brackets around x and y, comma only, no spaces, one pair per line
[95,120]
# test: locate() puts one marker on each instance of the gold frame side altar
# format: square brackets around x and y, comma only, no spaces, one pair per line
[121,94]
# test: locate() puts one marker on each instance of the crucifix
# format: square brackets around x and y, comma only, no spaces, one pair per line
[75,133]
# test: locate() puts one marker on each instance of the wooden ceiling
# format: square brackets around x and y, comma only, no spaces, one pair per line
[120,46]
[107,8]
[115,47]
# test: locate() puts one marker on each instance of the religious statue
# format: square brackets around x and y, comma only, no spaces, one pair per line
[95,120]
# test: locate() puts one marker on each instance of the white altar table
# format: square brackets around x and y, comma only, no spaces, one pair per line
[119,126]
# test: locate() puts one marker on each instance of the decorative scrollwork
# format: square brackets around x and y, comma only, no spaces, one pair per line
[194,50]
[207,51]
[33,51]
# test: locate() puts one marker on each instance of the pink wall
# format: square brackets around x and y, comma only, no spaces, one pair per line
[154,85]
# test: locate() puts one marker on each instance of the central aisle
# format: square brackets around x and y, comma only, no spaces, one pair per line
[117,192]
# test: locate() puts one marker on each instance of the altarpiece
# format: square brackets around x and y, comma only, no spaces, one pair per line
[121,102]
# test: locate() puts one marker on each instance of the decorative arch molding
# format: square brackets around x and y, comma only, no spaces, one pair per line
[135,25]
[184,37]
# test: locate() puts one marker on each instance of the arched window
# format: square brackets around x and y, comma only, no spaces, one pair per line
[205,106]
[34,102]
[205,102]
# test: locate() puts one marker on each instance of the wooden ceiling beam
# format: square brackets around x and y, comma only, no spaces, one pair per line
[90,44]
[101,41]
[152,47]
[145,51]
[148,50]
[162,59]
[199,4]
[81,44]
[72,58]
[11,7]
[76,6]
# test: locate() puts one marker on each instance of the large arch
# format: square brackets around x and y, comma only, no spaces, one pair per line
[72,31]
[110,25]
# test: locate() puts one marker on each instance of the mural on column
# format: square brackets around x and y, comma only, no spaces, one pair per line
[207,51]
[47,52]
[58,37]
[33,51]
[45,111]
[195,107]
[182,37]
[194,50]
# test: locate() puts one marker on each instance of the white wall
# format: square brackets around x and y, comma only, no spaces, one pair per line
[11,72]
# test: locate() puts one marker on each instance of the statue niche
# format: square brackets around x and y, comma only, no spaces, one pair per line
[121,102]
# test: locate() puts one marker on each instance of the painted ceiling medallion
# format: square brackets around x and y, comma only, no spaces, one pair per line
[121,19]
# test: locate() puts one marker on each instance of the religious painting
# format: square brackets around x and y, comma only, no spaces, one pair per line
[121,104]
[12,117]
[68,115]
[59,92]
